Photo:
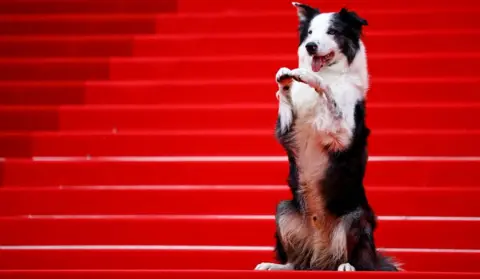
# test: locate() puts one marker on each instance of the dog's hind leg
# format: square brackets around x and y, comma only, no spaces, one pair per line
[280,253]
[292,247]
[352,241]
[282,218]
[361,244]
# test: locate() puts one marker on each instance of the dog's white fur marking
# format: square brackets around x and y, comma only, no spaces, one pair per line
[325,42]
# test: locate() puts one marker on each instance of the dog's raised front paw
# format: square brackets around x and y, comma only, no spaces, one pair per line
[284,77]
[303,75]
[346,267]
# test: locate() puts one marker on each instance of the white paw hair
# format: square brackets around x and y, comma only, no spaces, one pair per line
[346,267]
[313,80]
[283,76]
[273,266]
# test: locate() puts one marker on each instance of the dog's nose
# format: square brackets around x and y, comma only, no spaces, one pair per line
[311,48]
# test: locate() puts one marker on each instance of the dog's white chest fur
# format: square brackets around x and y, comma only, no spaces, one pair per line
[310,106]
[312,109]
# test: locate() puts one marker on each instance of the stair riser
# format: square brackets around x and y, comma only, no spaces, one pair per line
[140,118]
[228,68]
[380,173]
[83,200]
[221,92]
[391,234]
[224,45]
[189,6]
[286,21]
[150,143]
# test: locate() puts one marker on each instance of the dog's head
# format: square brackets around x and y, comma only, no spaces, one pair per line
[327,38]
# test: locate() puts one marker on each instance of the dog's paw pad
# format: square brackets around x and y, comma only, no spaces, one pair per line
[346,267]
[283,76]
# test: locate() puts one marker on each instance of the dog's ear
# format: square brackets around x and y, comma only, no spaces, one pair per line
[305,12]
[352,19]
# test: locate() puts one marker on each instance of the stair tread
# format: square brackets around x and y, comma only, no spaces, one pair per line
[211,230]
[72,200]
[213,274]
[213,257]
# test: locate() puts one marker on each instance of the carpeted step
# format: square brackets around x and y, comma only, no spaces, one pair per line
[452,18]
[324,5]
[229,116]
[10,7]
[227,44]
[382,171]
[223,143]
[188,6]
[203,257]
[84,24]
[212,230]
[228,67]
[223,199]
[200,91]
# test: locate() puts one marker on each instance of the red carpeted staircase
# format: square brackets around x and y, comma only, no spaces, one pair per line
[137,141]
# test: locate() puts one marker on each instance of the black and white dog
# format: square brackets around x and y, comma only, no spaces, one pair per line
[329,224]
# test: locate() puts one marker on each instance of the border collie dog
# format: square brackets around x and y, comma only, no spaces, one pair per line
[329,224]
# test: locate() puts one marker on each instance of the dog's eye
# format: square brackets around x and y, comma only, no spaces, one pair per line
[332,32]
[309,31]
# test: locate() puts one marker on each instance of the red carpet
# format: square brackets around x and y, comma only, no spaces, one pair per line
[136,136]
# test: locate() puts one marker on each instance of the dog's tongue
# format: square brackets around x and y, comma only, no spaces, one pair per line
[317,63]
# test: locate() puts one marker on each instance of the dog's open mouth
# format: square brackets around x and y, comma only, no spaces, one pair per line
[318,62]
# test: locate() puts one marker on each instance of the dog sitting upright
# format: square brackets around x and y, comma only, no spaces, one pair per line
[329,224]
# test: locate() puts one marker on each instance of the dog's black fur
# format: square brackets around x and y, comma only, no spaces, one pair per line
[346,29]
[342,187]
